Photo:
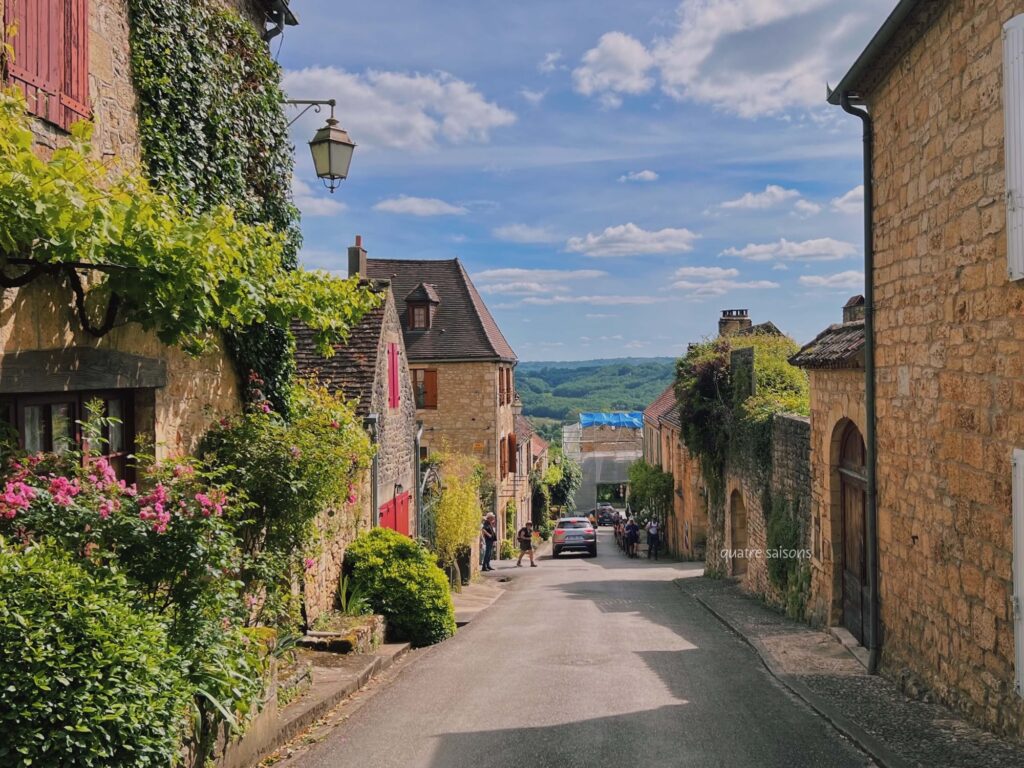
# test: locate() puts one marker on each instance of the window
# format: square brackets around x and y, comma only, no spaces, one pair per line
[419,317]
[424,453]
[425,383]
[50,65]
[1013,101]
[394,383]
[503,457]
[51,423]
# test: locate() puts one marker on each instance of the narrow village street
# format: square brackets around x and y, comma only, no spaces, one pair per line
[587,662]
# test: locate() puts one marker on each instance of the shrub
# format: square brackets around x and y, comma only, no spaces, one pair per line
[457,511]
[507,550]
[403,583]
[86,678]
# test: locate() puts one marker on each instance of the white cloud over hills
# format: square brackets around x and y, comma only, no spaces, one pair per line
[631,240]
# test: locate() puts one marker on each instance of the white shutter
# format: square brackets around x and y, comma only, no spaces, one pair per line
[1013,115]
[1018,568]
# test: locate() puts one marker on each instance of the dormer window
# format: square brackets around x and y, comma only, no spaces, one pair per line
[422,303]
[420,316]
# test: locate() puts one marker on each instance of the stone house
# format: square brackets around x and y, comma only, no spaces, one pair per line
[72,62]
[942,83]
[371,370]
[462,370]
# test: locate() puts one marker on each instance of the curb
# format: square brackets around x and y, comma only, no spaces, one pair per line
[306,713]
[878,751]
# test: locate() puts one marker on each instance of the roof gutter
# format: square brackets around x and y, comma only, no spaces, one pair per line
[871,439]
[851,80]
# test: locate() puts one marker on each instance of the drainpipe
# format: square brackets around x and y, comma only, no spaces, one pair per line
[370,424]
[871,441]
[416,474]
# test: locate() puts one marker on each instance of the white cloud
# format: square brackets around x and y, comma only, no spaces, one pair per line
[851,202]
[773,195]
[631,240]
[700,282]
[615,337]
[597,300]
[419,206]
[312,204]
[550,62]
[401,110]
[850,280]
[707,273]
[805,208]
[636,344]
[534,98]
[618,64]
[524,233]
[517,288]
[639,176]
[599,315]
[820,249]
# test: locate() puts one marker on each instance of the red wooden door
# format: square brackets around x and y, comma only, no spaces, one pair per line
[387,516]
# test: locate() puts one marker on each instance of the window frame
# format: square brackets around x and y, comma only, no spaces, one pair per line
[414,308]
[421,390]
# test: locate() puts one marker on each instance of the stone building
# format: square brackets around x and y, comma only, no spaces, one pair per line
[72,62]
[462,370]
[835,364]
[605,445]
[942,82]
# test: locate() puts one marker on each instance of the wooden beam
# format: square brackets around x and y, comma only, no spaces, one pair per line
[76,369]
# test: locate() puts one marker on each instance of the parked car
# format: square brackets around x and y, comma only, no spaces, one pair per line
[574,534]
[606,515]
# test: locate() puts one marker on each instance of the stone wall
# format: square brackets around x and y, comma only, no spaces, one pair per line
[837,399]
[396,433]
[686,528]
[950,365]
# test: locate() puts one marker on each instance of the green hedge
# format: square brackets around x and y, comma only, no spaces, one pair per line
[86,679]
[403,583]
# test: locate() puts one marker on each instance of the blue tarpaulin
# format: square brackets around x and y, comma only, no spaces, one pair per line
[628,419]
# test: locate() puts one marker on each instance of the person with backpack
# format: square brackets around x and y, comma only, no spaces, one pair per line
[653,539]
[525,537]
[490,536]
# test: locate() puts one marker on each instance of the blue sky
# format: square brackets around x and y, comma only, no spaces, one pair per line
[611,174]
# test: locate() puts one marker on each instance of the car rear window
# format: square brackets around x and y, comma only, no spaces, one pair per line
[572,524]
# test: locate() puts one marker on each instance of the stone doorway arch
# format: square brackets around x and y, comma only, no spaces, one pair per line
[848,515]
[738,531]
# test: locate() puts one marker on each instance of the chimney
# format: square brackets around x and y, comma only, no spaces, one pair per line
[357,258]
[733,321]
[854,309]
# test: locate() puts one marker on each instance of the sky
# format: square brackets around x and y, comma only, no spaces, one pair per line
[611,174]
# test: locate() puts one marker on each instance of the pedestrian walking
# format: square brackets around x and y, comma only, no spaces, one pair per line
[653,539]
[490,537]
[632,537]
[525,537]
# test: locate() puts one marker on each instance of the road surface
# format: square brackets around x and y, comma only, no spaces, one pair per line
[587,662]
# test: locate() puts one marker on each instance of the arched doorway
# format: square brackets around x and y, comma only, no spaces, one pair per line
[853,544]
[738,528]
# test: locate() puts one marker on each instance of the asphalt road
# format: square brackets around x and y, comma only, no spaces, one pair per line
[587,662]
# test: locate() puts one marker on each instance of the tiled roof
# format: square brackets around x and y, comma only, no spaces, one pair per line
[462,328]
[353,366]
[538,445]
[838,346]
[524,429]
[662,404]
[672,417]
[423,292]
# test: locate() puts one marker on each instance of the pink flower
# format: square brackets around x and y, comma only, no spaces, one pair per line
[352,494]
[265,407]
[335,424]
[296,453]
[63,491]
[17,496]
[182,470]
[105,509]
[310,563]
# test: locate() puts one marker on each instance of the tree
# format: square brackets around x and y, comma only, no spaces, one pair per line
[563,492]
[650,491]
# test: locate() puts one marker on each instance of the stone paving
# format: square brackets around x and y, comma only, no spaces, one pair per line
[869,709]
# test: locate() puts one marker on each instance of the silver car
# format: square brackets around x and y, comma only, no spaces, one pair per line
[574,534]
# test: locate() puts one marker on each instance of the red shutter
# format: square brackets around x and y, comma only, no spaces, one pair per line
[51,57]
[74,92]
[430,389]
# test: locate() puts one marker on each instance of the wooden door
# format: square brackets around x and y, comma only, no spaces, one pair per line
[853,497]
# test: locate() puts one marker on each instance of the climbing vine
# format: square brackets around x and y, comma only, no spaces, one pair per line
[213,133]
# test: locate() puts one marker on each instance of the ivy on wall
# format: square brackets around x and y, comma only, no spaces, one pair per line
[213,132]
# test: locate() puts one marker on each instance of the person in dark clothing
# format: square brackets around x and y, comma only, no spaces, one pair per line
[653,539]
[632,537]
[490,537]
[525,537]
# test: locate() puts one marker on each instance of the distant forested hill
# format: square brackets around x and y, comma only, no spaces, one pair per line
[558,392]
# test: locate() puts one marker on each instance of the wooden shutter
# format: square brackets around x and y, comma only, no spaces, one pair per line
[51,57]
[1013,116]
[503,452]
[513,454]
[430,389]
[74,92]
[1018,568]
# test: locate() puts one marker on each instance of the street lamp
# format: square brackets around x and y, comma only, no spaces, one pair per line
[331,146]
[517,406]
